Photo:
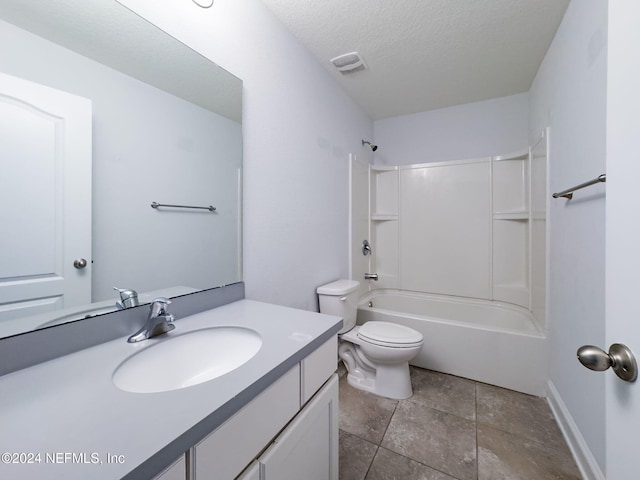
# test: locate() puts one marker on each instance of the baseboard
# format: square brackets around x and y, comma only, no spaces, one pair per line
[587,464]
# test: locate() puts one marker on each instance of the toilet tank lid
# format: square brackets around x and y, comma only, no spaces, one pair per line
[339,287]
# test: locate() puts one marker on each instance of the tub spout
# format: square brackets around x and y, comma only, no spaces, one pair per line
[371,276]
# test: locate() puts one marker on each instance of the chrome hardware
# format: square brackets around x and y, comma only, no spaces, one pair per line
[370,304]
[159,321]
[211,208]
[619,358]
[568,193]
[366,248]
[128,298]
[370,145]
[371,276]
[79,263]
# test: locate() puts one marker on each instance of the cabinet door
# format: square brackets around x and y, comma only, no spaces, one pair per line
[308,447]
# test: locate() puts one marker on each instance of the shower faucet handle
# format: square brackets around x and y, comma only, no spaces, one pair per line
[366,248]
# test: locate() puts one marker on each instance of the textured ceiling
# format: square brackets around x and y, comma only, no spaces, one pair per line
[426,54]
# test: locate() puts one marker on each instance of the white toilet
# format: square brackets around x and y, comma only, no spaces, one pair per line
[376,354]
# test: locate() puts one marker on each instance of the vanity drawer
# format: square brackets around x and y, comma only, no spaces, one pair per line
[318,367]
[231,447]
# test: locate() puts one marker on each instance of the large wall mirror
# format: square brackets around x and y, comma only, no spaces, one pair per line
[101,116]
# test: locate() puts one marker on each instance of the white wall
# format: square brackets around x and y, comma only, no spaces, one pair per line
[569,94]
[481,129]
[299,128]
[147,146]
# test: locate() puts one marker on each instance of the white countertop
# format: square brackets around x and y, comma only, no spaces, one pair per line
[68,418]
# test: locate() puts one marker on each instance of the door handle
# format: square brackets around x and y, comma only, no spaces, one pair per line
[619,358]
[79,263]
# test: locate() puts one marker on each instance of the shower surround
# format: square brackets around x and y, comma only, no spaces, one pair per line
[459,249]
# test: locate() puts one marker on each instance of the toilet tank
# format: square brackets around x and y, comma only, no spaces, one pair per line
[340,298]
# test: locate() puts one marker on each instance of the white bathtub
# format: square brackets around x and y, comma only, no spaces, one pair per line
[487,341]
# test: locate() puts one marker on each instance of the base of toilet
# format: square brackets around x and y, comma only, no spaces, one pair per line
[391,381]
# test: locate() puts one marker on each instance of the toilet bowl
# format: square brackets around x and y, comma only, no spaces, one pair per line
[376,354]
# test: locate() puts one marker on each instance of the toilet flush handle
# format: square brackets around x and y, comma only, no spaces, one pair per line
[343,299]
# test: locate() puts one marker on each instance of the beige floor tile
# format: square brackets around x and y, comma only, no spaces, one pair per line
[388,465]
[517,413]
[356,456]
[505,456]
[443,392]
[364,414]
[440,440]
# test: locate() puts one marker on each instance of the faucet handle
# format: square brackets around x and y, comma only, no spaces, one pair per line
[159,306]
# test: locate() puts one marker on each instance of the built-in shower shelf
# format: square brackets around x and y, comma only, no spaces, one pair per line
[519,155]
[381,217]
[511,216]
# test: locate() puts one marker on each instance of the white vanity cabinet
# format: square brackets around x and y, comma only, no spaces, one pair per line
[289,431]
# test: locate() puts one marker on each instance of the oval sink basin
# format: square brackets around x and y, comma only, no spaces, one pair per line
[187,359]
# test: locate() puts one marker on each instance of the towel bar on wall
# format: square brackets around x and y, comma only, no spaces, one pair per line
[211,208]
[568,193]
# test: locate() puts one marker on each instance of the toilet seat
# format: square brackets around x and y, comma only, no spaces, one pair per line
[388,334]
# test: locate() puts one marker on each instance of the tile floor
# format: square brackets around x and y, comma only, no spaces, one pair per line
[452,428]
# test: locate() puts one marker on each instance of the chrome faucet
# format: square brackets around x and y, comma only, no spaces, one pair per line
[371,276]
[366,248]
[159,321]
[128,298]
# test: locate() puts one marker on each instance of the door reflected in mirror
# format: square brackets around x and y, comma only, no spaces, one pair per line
[98,120]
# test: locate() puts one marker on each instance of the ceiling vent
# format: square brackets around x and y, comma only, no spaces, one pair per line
[349,63]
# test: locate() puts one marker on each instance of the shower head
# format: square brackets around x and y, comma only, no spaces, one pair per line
[371,145]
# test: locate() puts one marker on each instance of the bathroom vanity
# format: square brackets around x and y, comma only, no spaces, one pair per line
[273,417]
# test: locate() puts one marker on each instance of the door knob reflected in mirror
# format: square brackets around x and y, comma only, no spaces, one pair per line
[79,263]
[619,358]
